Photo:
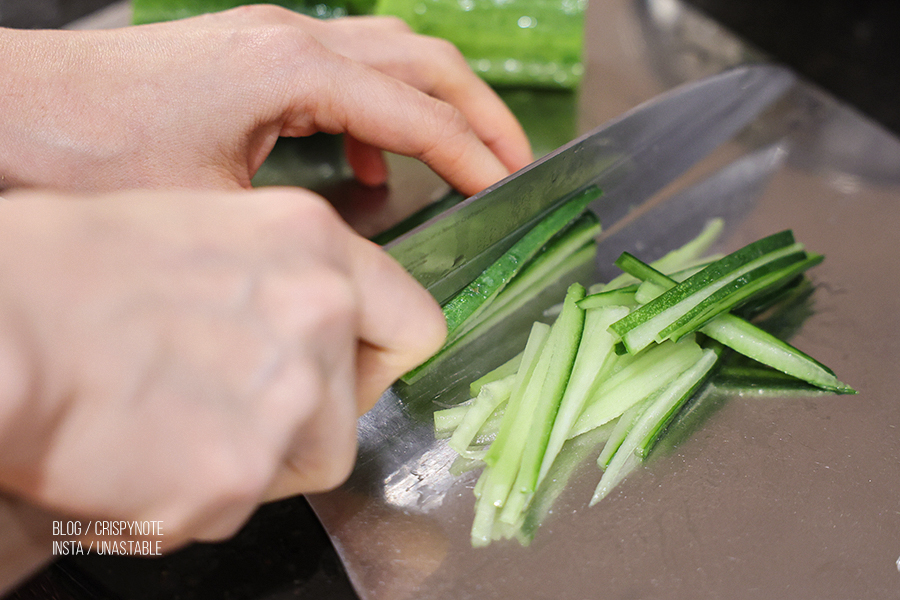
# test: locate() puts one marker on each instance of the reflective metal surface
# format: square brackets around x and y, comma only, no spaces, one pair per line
[754,496]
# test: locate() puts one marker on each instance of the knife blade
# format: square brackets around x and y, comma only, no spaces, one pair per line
[629,158]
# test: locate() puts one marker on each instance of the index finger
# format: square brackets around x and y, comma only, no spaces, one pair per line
[334,94]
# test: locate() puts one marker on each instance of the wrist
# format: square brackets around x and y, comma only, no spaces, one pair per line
[47,138]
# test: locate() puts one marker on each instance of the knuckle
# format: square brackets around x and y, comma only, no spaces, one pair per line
[329,304]
[276,49]
[445,51]
[452,130]
[301,218]
[452,122]
[392,23]
[315,308]
[238,478]
[263,13]
[328,467]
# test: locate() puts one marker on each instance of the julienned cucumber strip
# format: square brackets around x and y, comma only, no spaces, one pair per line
[487,401]
[682,257]
[642,326]
[652,418]
[648,290]
[741,290]
[725,267]
[648,373]
[508,368]
[571,247]
[538,391]
[518,297]
[545,264]
[475,296]
[613,297]
[571,382]
[592,362]
[749,340]
[536,340]
[561,348]
[665,406]
[753,342]
[621,427]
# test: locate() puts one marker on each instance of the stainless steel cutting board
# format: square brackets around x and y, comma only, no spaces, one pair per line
[756,496]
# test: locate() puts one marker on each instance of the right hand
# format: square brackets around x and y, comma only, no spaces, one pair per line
[182,357]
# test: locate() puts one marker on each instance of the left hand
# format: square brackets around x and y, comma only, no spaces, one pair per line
[199,103]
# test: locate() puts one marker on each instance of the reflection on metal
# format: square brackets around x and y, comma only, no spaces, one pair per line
[420,484]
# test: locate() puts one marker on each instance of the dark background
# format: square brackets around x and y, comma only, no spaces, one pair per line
[849,47]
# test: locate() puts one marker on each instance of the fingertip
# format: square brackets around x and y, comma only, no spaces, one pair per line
[366,161]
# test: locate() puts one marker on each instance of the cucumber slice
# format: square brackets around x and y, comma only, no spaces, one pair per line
[649,371]
[571,248]
[476,296]
[560,352]
[761,346]
[680,258]
[613,297]
[642,326]
[489,398]
[751,341]
[592,363]
[508,368]
[740,290]
[652,417]
[536,340]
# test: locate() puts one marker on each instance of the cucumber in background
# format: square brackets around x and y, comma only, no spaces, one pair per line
[154,11]
[532,43]
[523,43]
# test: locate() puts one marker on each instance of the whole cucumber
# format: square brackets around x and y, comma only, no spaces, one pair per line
[533,43]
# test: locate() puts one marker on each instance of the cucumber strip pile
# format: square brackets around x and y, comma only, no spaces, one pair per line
[622,362]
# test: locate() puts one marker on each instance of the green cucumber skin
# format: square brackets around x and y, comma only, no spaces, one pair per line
[154,11]
[536,43]
[643,326]
[739,291]
[474,297]
[747,339]
[566,344]
[705,277]
[542,267]
[517,297]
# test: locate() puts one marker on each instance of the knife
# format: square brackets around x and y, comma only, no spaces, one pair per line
[628,158]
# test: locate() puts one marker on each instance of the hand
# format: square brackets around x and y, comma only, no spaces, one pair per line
[183,356]
[199,103]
